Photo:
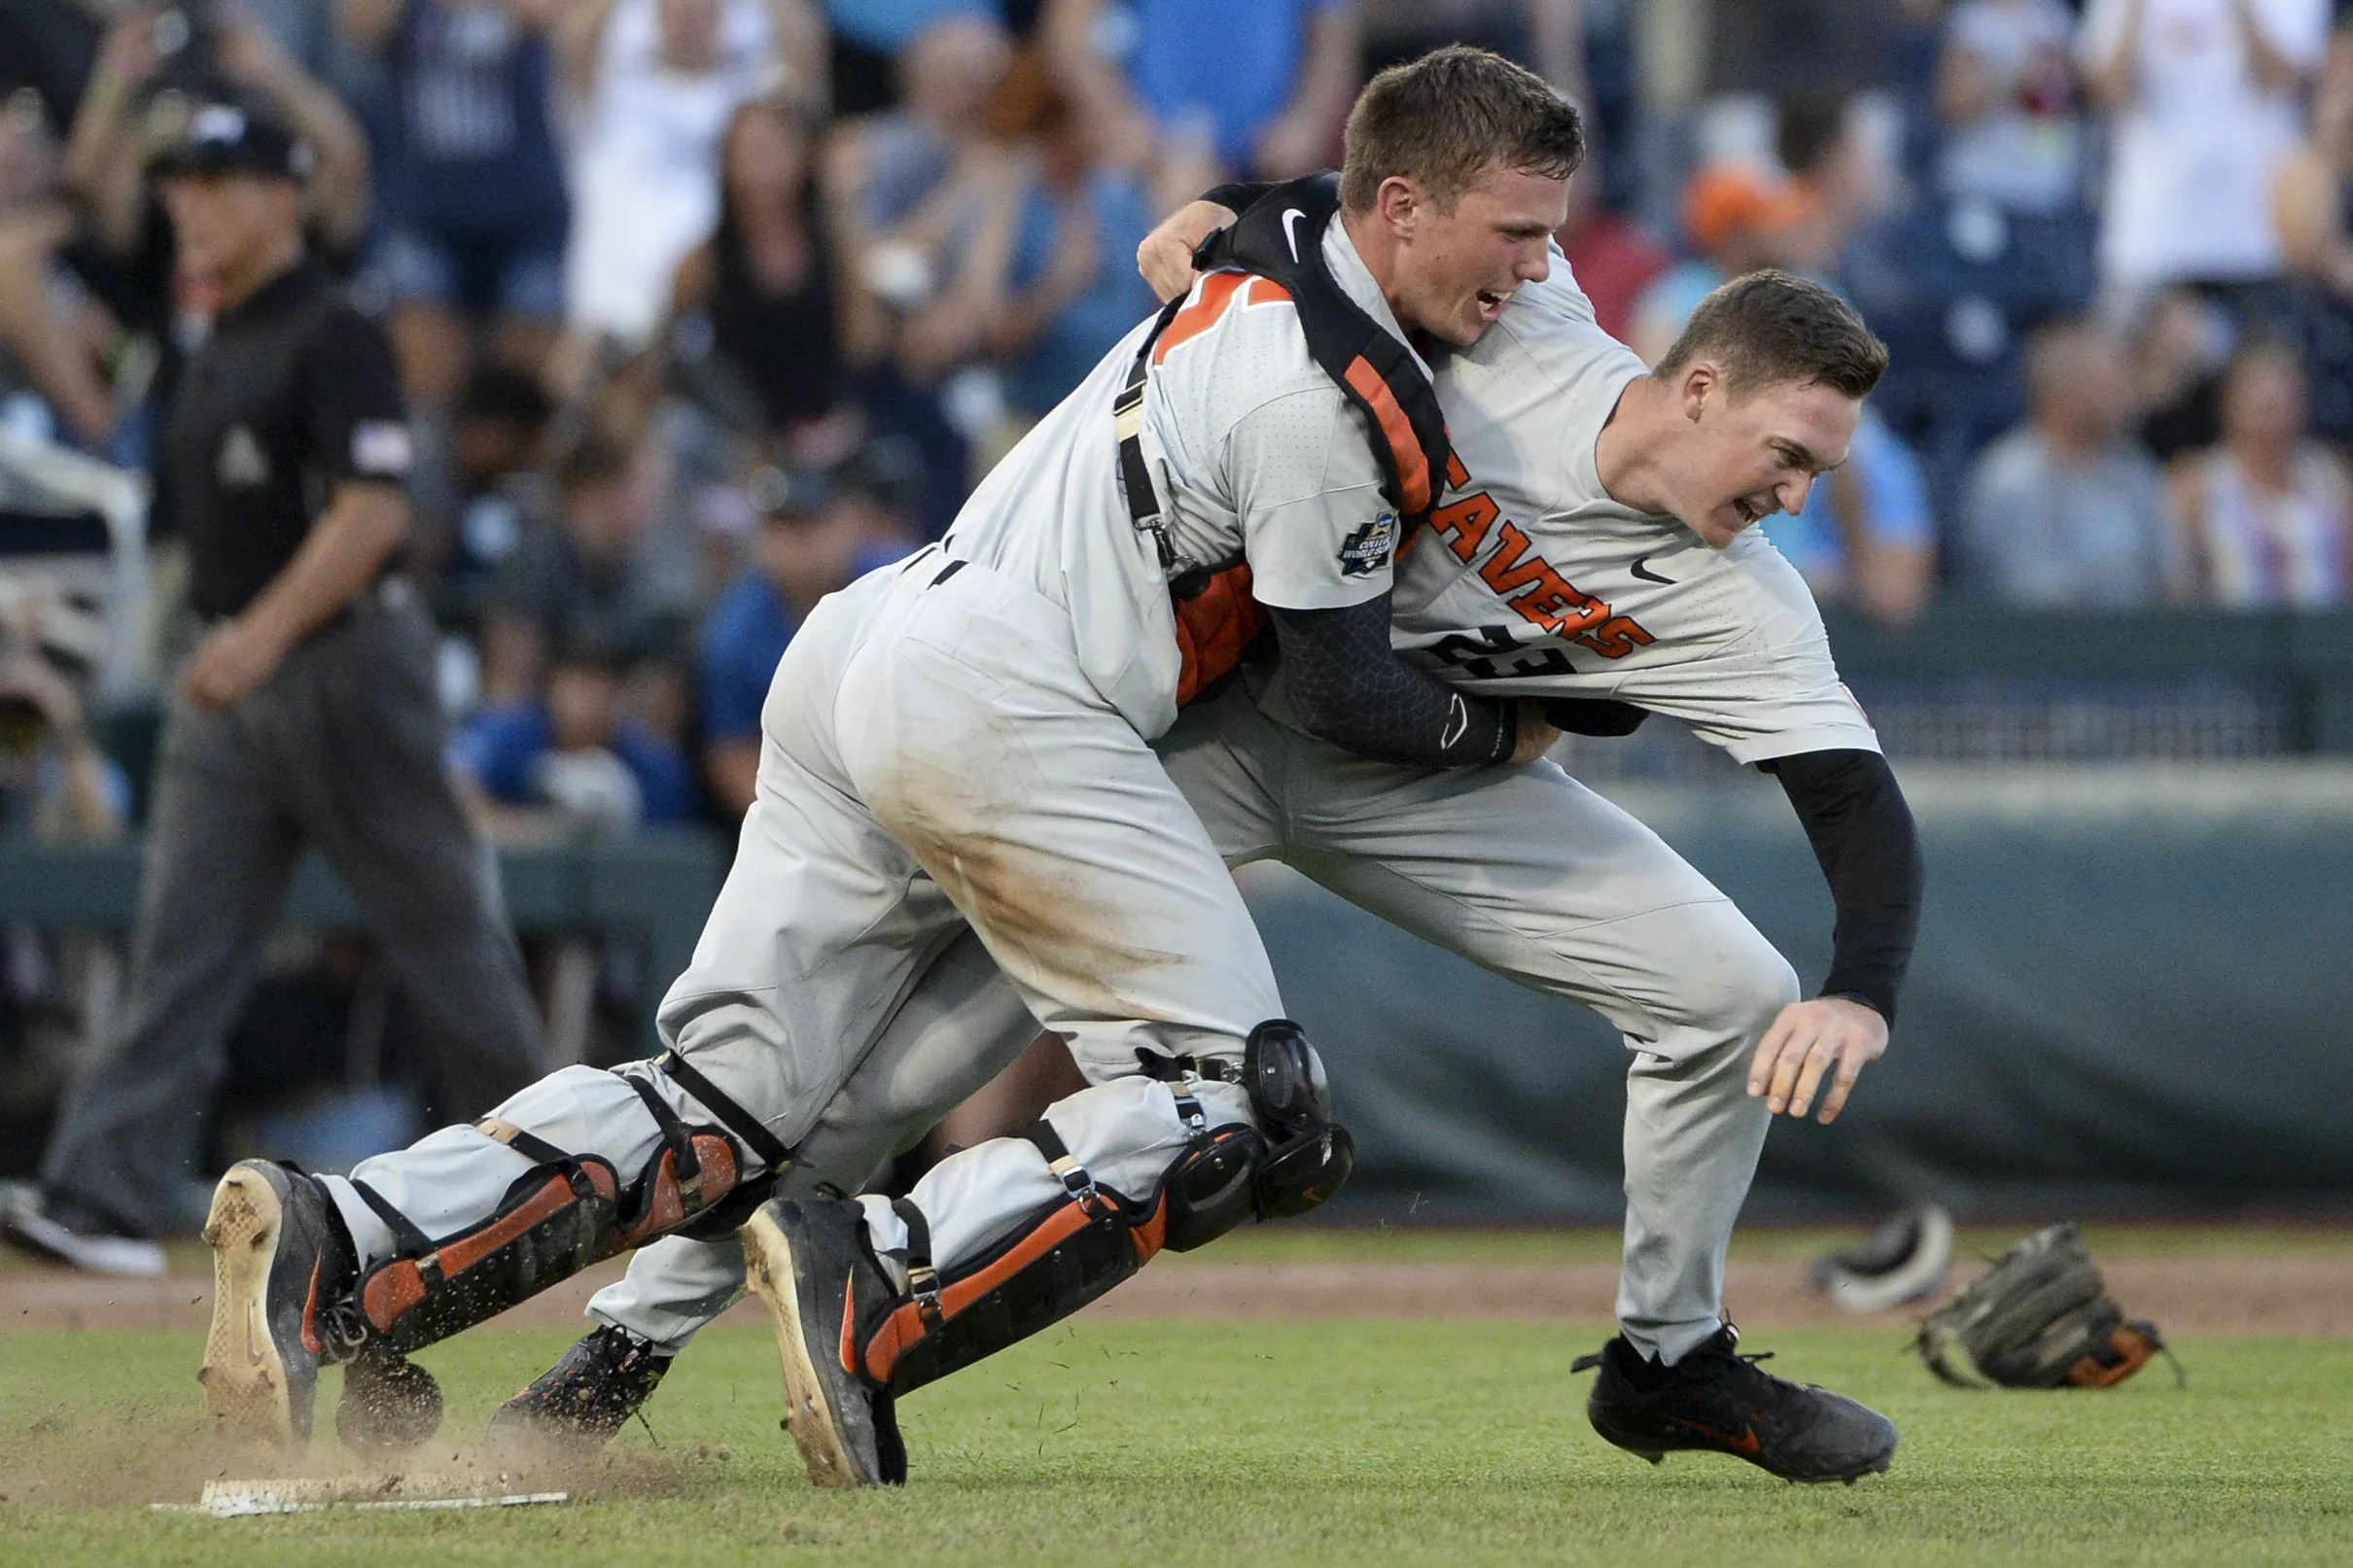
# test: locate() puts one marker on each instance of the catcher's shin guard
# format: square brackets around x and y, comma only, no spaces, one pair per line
[1077,1247]
[1069,1253]
[570,1211]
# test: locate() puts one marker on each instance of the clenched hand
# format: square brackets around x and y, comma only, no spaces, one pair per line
[1166,256]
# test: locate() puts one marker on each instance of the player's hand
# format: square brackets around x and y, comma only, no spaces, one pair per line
[233,661]
[1537,734]
[1796,1059]
[1166,256]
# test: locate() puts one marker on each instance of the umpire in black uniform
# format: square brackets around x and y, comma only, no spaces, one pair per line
[305,715]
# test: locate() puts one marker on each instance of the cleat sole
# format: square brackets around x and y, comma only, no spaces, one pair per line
[244,1379]
[809,1416]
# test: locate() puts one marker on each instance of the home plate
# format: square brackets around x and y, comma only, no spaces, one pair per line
[242,1499]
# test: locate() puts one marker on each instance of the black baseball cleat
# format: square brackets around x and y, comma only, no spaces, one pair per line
[1716,1399]
[811,1266]
[576,1405]
[281,1265]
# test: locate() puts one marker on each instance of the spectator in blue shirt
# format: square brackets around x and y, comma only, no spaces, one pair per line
[570,762]
[819,529]
[1070,293]
[1264,83]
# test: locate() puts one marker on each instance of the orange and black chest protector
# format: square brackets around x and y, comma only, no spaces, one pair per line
[1280,238]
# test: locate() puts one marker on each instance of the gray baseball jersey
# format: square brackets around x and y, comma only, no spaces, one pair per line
[1255,454]
[1530,580]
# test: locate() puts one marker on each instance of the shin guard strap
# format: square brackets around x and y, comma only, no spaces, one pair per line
[406,1238]
[923,1279]
[772,1150]
[683,1163]
[539,1151]
[1075,1177]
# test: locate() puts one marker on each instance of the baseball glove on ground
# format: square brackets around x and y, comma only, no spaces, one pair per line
[2040,1317]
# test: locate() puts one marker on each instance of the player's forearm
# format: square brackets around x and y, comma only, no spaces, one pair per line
[1863,836]
[1350,687]
[342,553]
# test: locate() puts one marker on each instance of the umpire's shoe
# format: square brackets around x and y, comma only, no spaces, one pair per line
[282,1264]
[811,1266]
[577,1404]
[1716,1399]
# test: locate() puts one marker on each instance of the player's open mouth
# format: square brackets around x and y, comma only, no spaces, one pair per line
[1492,304]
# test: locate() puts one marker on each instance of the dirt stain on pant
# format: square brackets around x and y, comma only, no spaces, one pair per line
[1049,918]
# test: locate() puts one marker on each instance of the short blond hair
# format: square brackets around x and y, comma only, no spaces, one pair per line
[1444,120]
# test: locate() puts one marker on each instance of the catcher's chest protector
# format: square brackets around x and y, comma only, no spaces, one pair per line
[1217,621]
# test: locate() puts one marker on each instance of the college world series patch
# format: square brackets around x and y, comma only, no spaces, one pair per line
[1367,550]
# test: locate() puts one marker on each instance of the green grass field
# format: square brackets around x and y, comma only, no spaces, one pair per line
[1224,1444]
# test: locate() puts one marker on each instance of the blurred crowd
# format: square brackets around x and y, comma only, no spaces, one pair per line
[704,306]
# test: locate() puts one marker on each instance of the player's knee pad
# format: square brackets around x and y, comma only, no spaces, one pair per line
[568,1213]
[1306,1156]
[1309,1156]
[1213,1187]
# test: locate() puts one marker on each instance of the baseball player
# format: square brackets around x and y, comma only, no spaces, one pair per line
[1596,550]
[959,742]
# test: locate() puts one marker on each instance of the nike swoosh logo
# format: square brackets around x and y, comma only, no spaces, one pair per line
[1647,576]
[1457,722]
[311,1314]
[1746,1442]
[254,1355]
[1290,231]
[849,1321]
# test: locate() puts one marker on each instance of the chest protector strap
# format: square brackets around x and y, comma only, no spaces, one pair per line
[1365,358]
[1218,621]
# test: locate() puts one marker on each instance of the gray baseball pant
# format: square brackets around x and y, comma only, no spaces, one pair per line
[1522,871]
[934,760]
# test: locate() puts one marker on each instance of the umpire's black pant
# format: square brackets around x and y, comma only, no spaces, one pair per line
[342,749]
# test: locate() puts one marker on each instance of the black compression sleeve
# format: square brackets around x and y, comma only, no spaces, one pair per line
[1862,834]
[1350,687]
[1238,195]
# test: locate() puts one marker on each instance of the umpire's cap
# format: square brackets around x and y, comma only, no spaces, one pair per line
[229,138]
